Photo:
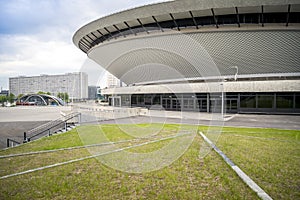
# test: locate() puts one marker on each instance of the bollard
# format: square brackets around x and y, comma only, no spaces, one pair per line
[79,118]
[7,142]
[25,138]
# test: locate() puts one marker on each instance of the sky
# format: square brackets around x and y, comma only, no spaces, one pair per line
[36,35]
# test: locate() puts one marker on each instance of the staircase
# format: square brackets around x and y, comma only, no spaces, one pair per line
[61,125]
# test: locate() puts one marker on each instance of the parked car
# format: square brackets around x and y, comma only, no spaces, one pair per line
[103,103]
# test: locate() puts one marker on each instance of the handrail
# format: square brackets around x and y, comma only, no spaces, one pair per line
[52,122]
[27,136]
[11,140]
[45,127]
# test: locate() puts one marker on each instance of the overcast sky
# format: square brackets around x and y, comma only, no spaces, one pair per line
[36,35]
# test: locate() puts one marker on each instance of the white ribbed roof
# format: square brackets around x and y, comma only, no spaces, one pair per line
[179,8]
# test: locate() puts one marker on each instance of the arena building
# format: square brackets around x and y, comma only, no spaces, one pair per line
[201,55]
[40,100]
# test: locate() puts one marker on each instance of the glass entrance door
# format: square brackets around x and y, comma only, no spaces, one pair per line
[166,103]
[231,105]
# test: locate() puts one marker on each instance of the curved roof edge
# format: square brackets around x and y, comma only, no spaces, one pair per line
[172,7]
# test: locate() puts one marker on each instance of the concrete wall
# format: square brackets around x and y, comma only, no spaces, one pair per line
[238,86]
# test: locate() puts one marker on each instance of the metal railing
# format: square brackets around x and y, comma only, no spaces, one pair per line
[11,142]
[47,129]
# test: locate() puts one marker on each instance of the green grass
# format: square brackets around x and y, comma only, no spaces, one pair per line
[269,156]
[68,139]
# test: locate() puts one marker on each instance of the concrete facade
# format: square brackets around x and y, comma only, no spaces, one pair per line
[75,84]
[241,86]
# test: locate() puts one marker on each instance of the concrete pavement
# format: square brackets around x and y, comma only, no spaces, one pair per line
[15,120]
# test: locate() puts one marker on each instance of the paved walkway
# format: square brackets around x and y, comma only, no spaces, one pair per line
[31,113]
[14,121]
[239,120]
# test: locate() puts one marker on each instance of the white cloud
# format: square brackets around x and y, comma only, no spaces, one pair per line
[33,56]
[36,36]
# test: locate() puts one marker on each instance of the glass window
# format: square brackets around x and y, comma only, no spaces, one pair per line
[284,101]
[248,101]
[125,100]
[204,104]
[140,99]
[133,100]
[297,101]
[156,100]
[233,104]
[265,101]
[185,103]
[188,95]
[116,101]
[201,96]
[176,104]
[148,99]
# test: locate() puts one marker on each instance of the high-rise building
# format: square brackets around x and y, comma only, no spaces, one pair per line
[75,84]
[112,81]
[94,92]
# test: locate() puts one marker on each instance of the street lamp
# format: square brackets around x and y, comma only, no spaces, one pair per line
[222,89]
[222,96]
[236,73]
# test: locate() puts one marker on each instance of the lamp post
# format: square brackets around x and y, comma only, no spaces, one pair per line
[222,97]
[236,73]
[222,90]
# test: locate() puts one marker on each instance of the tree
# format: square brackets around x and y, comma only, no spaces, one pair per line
[3,99]
[40,92]
[11,98]
[64,96]
[20,95]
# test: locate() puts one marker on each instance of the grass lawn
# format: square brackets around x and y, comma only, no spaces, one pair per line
[269,156]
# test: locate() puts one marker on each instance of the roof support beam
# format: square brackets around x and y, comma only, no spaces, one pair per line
[94,35]
[158,24]
[81,42]
[194,20]
[237,16]
[90,38]
[108,32]
[84,48]
[100,33]
[288,15]
[84,41]
[175,22]
[262,16]
[102,36]
[215,19]
[119,30]
[142,25]
[129,28]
